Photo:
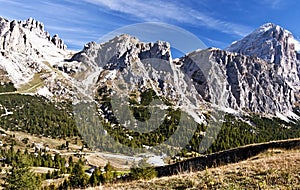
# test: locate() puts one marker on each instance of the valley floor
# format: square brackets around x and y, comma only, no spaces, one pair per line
[274,169]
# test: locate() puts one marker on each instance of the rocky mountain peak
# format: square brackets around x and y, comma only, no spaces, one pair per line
[270,28]
[27,53]
[33,25]
[266,41]
[275,45]
[117,52]
[19,36]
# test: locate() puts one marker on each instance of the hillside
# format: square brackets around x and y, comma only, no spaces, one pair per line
[272,169]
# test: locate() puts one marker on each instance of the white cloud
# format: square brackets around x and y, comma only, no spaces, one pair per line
[157,10]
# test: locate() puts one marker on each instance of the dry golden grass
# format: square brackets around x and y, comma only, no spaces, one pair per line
[42,170]
[274,169]
[31,87]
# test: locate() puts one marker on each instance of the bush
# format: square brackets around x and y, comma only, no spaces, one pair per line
[143,171]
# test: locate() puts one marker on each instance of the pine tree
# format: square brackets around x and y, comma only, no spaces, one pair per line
[142,171]
[108,175]
[93,180]
[20,177]
[78,177]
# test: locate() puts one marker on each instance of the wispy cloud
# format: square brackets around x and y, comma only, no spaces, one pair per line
[76,44]
[157,10]
[69,29]
[216,43]
[274,4]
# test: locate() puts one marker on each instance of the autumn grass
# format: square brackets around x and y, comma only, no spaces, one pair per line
[274,169]
[31,87]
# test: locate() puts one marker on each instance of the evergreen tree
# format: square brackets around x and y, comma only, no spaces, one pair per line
[78,177]
[109,174]
[143,171]
[20,177]
[93,180]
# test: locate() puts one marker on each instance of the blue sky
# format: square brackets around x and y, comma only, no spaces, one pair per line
[216,23]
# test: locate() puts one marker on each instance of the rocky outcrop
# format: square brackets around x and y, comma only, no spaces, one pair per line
[17,36]
[58,42]
[238,81]
[132,58]
[126,62]
[120,51]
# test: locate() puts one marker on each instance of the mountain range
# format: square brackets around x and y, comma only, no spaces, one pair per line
[258,74]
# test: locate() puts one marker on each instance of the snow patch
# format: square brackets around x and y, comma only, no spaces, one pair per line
[248,122]
[6,112]
[297,44]
[292,115]
[282,117]
[229,110]
[234,42]
[195,116]
[156,160]
[44,92]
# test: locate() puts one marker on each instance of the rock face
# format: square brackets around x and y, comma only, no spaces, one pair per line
[58,42]
[125,61]
[119,52]
[238,81]
[275,45]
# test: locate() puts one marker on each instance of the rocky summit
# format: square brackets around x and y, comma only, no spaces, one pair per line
[276,45]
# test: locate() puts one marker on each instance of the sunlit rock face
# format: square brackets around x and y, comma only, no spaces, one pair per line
[275,45]
[238,81]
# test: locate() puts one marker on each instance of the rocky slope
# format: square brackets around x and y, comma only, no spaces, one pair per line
[125,65]
[275,45]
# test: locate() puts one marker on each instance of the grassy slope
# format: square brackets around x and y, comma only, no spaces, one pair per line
[274,169]
[31,87]
[277,166]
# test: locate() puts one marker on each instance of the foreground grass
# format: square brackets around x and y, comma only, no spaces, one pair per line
[274,169]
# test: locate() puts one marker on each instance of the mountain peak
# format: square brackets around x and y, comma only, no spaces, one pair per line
[121,49]
[268,26]
[16,33]
[263,42]
[272,30]
[25,45]
[275,45]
